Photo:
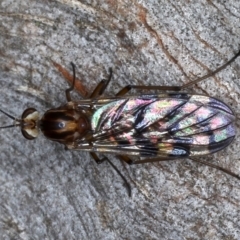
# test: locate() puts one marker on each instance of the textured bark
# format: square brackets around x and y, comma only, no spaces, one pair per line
[49,193]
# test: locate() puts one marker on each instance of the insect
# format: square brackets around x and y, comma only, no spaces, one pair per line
[152,127]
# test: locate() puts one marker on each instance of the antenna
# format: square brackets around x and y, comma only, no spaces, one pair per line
[13,118]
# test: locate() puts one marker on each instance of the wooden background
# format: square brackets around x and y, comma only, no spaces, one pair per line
[49,193]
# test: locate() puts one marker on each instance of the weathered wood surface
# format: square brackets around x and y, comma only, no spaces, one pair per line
[49,193]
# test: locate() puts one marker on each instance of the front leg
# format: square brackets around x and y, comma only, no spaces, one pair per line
[101,87]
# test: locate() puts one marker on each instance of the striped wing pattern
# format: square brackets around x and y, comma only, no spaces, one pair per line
[173,125]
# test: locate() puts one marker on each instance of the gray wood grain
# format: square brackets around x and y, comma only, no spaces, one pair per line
[49,193]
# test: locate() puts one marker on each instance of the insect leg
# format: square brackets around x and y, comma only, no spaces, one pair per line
[98,91]
[68,96]
[96,158]
[126,159]
[98,161]
[176,88]
[126,89]
[158,159]
[211,73]
[146,160]
[216,167]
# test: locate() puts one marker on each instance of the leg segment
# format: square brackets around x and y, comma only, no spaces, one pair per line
[161,88]
[216,167]
[68,96]
[211,73]
[98,161]
[125,158]
[99,90]
[176,88]
[129,161]
[96,158]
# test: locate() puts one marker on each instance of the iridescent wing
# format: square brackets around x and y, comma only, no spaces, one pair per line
[173,125]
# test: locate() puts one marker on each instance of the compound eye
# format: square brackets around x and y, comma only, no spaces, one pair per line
[30,134]
[28,113]
[29,123]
